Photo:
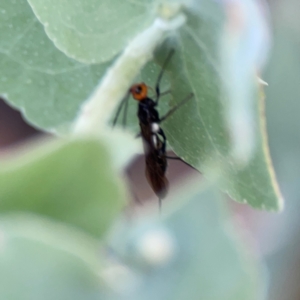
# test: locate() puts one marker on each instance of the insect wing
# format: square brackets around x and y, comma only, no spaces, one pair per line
[156,166]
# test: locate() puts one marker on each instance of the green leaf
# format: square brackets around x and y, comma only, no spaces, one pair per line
[42,259]
[192,253]
[70,181]
[256,183]
[198,70]
[47,86]
[198,132]
[93,31]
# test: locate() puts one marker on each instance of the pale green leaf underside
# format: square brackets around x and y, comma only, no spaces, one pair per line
[199,133]
[208,261]
[42,259]
[72,182]
[93,31]
[205,144]
[256,183]
[43,83]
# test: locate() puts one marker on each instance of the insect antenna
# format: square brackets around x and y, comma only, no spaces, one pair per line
[124,101]
[125,111]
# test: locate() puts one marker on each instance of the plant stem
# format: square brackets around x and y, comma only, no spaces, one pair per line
[97,110]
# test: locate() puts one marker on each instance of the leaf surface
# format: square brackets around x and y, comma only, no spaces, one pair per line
[93,31]
[70,181]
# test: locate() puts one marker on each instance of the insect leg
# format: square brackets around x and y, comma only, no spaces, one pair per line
[164,142]
[173,157]
[165,93]
[178,158]
[173,109]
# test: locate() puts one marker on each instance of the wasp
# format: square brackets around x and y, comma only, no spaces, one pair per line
[153,136]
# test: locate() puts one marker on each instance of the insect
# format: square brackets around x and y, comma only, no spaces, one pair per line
[153,136]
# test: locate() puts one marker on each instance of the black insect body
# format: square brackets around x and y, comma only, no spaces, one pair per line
[153,136]
[154,141]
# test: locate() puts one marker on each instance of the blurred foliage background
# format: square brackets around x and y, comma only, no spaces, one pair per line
[281,231]
[276,236]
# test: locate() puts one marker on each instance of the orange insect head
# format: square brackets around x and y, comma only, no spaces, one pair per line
[139,91]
